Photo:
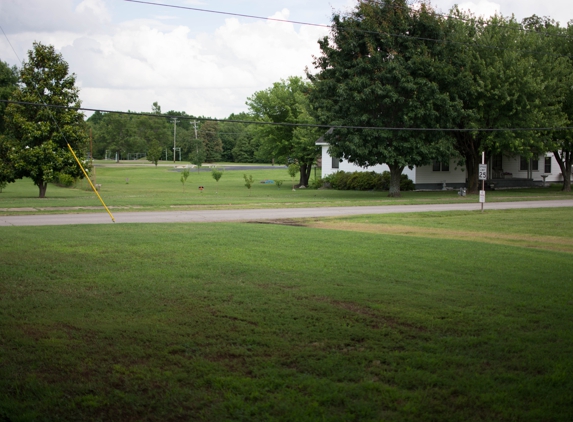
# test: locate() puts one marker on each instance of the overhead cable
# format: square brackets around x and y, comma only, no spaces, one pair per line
[308,125]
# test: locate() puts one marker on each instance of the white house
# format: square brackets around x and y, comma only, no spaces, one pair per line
[503,171]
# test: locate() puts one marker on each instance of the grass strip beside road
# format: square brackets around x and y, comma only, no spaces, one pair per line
[273,322]
[160,189]
[549,229]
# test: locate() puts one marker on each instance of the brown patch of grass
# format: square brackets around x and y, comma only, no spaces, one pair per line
[377,320]
[551,243]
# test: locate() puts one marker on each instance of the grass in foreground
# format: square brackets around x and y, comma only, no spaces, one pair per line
[259,322]
[148,188]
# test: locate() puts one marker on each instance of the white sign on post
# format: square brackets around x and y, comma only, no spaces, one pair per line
[482,196]
[483,172]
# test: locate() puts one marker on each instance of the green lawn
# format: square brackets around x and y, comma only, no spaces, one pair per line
[267,322]
[145,188]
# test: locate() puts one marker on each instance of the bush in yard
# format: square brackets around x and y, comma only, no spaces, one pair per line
[338,180]
[316,184]
[65,180]
[361,180]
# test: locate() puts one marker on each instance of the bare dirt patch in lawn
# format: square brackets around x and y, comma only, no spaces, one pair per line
[551,243]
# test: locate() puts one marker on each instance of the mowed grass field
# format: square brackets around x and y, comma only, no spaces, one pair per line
[456,316]
[144,188]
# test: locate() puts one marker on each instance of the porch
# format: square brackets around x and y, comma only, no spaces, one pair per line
[490,184]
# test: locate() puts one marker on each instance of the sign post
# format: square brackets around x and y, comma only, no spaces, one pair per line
[482,177]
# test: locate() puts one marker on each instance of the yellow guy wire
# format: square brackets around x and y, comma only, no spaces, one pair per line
[91,184]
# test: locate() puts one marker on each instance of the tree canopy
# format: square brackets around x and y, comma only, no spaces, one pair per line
[494,70]
[286,102]
[378,69]
[8,84]
[36,143]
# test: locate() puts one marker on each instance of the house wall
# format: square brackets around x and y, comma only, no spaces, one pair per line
[511,165]
[349,167]
[427,178]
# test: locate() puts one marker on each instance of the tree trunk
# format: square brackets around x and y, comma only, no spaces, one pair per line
[469,147]
[42,186]
[305,170]
[564,161]
[395,177]
[472,166]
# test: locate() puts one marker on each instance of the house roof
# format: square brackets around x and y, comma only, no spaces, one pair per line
[320,141]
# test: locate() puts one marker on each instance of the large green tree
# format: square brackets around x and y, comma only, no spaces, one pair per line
[38,135]
[8,84]
[286,102]
[499,74]
[378,69]
[212,144]
[556,63]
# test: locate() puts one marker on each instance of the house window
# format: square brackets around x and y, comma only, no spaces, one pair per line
[497,162]
[524,161]
[439,166]
[548,165]
[335,163]
[535,164]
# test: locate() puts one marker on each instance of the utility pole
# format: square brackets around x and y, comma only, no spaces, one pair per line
[195,127]
[174,120]
[92,156]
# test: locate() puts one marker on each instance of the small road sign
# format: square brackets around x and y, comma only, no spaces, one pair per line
[483,172]
[482,196]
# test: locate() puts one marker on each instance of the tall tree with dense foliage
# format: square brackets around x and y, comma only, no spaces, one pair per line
[287,102]
[212,145]
[556,62]
[495,70]
[8,84]
[378,69]
[39,136]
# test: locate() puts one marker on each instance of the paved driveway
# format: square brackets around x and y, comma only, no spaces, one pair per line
[259,214]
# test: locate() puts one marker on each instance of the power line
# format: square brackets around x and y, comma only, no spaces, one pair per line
[228,13]
[307,125]
[445,41]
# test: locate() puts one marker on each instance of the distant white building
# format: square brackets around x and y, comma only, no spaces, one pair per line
[503,171]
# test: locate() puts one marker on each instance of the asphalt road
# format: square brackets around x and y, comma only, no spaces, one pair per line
[259,214]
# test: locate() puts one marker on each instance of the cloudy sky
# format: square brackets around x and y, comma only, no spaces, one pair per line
[127,55]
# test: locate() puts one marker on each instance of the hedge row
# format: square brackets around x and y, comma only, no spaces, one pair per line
[361,180]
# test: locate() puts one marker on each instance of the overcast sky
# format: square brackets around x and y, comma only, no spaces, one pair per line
[128,55]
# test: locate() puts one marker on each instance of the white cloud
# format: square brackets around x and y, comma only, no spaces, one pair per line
[483,8]
[211,74]
[95,9]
